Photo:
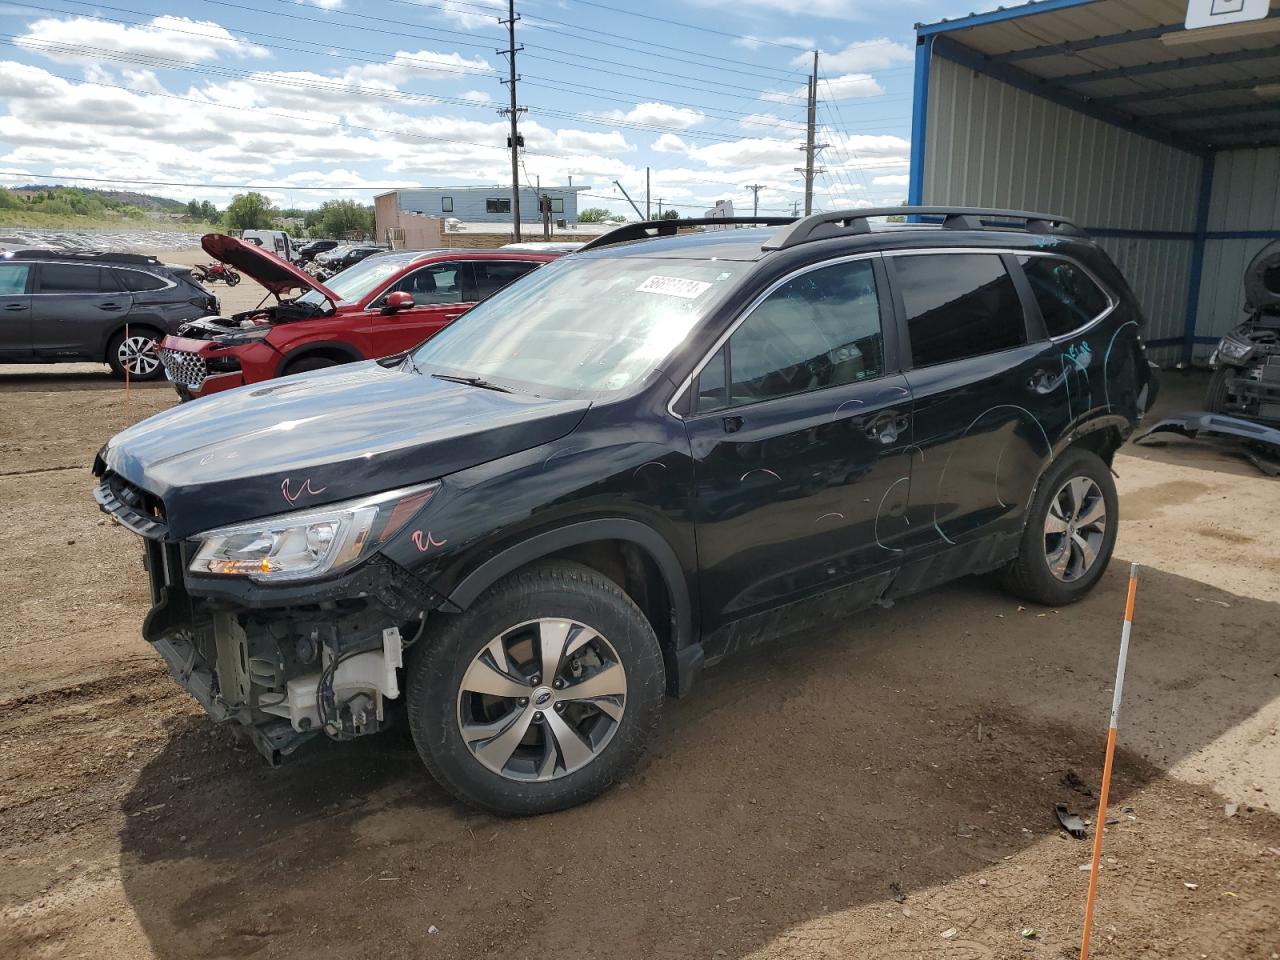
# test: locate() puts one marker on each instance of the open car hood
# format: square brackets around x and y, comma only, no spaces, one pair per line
[278,276]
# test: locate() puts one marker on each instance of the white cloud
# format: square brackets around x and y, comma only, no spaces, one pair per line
[832,9]
[468,14]
[892,180]
[588,141]
[861,56]
[669,143]
[763,150]
[769,121]
[325,4]
[652,113]
[479,97]
[755,43]
[844,87]
[166,38]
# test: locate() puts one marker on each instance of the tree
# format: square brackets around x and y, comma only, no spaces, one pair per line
[594,215]
[670,215]
[341,217]
[248,211]
[208,212]
[193,209]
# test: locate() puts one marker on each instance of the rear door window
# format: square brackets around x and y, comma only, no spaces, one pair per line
[74,278]
[1067,296]
[492,275]
[440,283]
[13,279]
[958,305]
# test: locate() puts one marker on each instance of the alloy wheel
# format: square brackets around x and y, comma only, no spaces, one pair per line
[542,700]
[139,355]
[1075,528]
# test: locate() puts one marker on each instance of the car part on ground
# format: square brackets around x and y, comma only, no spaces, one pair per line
[1260,442]
[627,466]
[1246,376]
[64,306]
[382,305]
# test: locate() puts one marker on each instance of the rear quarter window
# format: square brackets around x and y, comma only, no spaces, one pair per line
[139,282]
[1068,297]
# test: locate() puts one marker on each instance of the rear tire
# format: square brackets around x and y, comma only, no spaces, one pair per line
[139,353]
[474,688]
[1070,532]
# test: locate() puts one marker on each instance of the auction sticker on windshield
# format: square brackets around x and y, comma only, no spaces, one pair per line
[675,287]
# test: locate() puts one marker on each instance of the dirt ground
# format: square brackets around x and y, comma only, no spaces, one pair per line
[882,790]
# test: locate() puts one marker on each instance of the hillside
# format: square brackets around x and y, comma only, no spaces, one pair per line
[110,198]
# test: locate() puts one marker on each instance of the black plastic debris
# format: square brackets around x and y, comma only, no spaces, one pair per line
[1070,821]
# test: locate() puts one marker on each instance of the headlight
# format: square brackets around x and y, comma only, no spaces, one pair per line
[309,543]
[239,338]
[1234,349]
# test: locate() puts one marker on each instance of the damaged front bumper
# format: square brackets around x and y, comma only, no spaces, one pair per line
[280,665]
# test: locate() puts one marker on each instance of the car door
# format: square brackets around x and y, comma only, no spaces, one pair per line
[74,309]
[978,444]
[492,275]
[15,310]
[799,426]
[441,293]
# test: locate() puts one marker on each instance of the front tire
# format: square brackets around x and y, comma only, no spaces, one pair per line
[1215,398]
[1070,532]
[309,363]
[138,353]
[542,694]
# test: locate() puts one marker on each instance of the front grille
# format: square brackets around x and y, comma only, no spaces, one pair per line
[184,368]
[135,508]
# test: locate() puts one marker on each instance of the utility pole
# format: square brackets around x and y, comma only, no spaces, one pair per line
[646,194]
[659,201]
[629,200]
[810,148]
[514,113]
[755,189]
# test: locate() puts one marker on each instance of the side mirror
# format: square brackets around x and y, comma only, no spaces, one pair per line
[399,300]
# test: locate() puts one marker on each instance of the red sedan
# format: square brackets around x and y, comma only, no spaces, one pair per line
[383,305]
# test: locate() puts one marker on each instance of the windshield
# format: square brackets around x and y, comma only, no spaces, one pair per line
[355,283]
[593,324]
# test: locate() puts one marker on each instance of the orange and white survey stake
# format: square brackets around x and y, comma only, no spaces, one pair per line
[1106,766]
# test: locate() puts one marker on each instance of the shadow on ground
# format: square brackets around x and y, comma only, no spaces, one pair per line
[794,784]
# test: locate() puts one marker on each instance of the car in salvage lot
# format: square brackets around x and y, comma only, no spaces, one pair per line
[627,466]
[65,307]
[383,305]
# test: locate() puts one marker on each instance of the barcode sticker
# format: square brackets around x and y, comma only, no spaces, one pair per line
[675,287]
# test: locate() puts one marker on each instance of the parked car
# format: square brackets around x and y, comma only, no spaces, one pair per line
[313,248]
[383,305]
[1246,363]
[627,465]
[277,241]
[100,307]
[346,255]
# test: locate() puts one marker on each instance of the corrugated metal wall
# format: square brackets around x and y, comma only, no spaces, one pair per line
[469,204]
[1245,197]
[991,144]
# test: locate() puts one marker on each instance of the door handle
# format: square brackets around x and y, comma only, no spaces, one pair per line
[1041,381]
[732,424]
[886,427]
[15,306]
[111,305]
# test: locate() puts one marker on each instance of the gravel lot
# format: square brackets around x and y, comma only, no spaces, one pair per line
[882,790]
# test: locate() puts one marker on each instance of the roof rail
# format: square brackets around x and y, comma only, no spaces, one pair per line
[840,223]
[648,229]
[89,255]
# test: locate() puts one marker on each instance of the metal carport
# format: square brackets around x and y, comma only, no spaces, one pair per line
[1163,142]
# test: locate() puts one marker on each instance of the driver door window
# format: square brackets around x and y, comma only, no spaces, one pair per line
[441,283]
[818,330]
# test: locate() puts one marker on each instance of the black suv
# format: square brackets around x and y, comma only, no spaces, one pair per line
[113,307]
[625,466]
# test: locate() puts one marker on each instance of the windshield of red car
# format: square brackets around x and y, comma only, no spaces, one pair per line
[582,325]
[355,283]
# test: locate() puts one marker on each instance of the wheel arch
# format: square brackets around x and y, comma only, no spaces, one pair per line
[337,350]
[630,553]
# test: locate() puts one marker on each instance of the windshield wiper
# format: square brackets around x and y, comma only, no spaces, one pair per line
[480,382]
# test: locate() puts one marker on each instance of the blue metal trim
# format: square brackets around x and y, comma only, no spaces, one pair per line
[1140,234]
[1215,112]
[1171,341]
[996,16]
[966,56]
[1242,235]
[1090,43]
[919,120]
[1197,255]
[1166,66]
[1171,92]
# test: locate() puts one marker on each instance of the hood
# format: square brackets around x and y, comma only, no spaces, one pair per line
[323,437]
[278,276]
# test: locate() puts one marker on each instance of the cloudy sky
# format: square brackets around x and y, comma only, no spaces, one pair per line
[302,99]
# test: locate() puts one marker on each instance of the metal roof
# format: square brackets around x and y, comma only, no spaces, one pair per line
[1131,62]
